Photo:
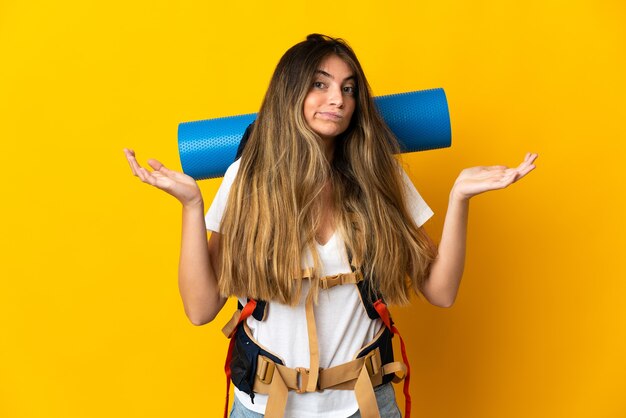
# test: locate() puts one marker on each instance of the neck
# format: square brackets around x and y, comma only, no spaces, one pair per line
[329,148]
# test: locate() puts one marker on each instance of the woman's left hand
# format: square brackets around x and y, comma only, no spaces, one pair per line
[476,180]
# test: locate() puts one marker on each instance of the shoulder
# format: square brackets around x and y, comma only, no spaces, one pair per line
[409,187]
[229,176]
[415,203]
[214,215]
[232,170]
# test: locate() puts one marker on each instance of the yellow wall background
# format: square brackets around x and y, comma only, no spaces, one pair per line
[91,322]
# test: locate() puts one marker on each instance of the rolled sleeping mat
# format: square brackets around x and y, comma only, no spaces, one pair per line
[419,119]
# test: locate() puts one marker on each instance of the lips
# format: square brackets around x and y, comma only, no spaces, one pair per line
[330,115]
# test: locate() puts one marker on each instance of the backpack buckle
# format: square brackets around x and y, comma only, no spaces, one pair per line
[373,362]
[302,379]
[265,369]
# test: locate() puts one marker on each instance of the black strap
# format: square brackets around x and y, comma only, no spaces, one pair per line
[369,294]
[259,311]
[244,140]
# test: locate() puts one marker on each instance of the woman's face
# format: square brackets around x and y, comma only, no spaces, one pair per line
[331,100]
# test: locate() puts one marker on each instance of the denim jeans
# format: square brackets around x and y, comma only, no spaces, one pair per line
[385,398]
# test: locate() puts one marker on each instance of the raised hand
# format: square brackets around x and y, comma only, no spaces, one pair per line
[181,186]
[476,180]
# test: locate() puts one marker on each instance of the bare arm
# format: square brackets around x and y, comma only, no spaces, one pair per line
[197,281]
[442,285]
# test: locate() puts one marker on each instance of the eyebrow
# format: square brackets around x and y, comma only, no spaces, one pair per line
[324,73]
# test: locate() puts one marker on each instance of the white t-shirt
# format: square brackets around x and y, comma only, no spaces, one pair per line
[343,326]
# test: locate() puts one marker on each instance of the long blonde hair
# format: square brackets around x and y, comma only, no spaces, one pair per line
[273,210]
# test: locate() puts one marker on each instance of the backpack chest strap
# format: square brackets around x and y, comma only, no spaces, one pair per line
[342,278]
[325,282]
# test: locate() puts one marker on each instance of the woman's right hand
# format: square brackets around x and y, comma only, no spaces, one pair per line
[180,185]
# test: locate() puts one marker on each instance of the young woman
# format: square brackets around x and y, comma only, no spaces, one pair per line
[316,221]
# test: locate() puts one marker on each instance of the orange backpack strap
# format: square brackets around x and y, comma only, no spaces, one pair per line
[382,310]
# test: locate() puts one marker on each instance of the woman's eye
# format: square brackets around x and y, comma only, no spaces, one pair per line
[349,89]
[318,85]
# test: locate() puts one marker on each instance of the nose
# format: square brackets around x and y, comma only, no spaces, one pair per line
[336,96]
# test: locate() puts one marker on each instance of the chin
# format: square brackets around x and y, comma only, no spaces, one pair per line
[329,133]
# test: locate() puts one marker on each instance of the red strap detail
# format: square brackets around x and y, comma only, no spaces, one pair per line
[245,313]
[227,370]
[383,312]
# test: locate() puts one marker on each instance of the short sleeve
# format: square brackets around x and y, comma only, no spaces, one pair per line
[417,207]
[213,218]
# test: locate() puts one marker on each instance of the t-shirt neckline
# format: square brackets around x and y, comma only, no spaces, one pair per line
[332,237]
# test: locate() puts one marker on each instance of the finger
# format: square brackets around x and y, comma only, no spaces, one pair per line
[130,157]
[172,174]
[161,170]
[138,170]
[509,178]
[135,165]
[143,174]
[162,181]
[147,177]
[157,179]
[527,166]
[130,154]
[496,167]
[524,171]
[524,164]
[511,172]
[499,183]
[159,167]
[530,157]
[155,164]
[527,170]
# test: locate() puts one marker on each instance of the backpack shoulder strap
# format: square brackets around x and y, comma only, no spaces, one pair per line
[244,140]
[259,311]
[369,294]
